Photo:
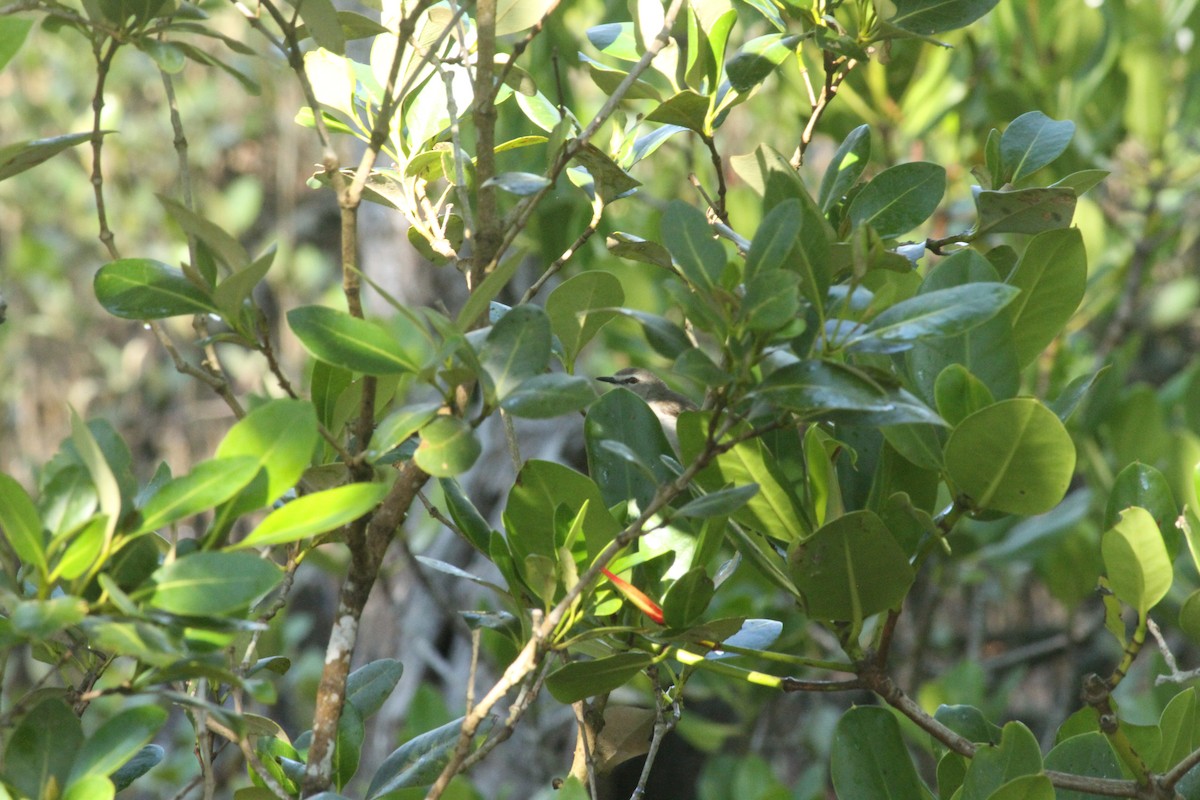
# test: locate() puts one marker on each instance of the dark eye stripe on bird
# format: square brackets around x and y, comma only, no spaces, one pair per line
[666,403]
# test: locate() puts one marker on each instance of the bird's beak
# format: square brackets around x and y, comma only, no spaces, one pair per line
[608,379]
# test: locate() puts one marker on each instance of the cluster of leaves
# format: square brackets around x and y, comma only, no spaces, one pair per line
[858,408]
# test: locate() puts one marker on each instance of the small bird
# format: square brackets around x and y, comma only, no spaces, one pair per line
[666,403]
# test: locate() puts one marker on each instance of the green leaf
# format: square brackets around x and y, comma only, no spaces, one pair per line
[845,168]
[448,447]
[937,314]
[17,157]
[513,16]
[142,288]
[116,741]
[687,109]
[1142,485]
[687,235]
[550,395]
[830,390]
[987,351]
[723,502]
[397,426]
[1024,210]
[41,748]
[927,17]
[534,502]
[419,761]
[608,179]
[1017,755]
[38,619]
[22,525]
[232,293]
[517,347]
[347,747]
[321,20]
[1136,559]
[667,338]
[100,466]
[969,722]
[209,484]
[96,787]
[211,583]
[222,244]
[635,248]
[84,547]
[13,31]
[1030,457]
[1087,754]
[358,344]
[465,515]
[616,39]
[774,510]
[1030,142]
[899,199]
[316,513]
[771,301]
[582,679]
[687,598]
[369,686]
[774,239]
[580,306]
[1026,787]
[1051,275]
[281,435]
[757,59]
[850,568]
[622,417]
[869,760]
[960,394]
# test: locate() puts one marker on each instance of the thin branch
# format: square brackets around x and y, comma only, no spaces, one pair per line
[719,168]
[580,241]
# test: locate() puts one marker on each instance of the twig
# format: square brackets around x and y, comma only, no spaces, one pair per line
[718,167]
[663,725]
[580,241]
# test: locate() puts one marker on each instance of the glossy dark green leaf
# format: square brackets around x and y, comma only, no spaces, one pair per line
[775,509]
[686,109]
[667,338]
[233,292]
[869,759]
[534,501]
[987,351]
[580,680]
[1015,756]
[825,388]
[1031,141]
[211,583]
[771,301]
[687,235]
[845,168]
[347,748]
[580,306]
[116,741]
[609,78]
[1136,559]
[40,749]
[968,722]
[1081,181]
[220,242]
[850,568]
[448,447]
[609,180]
[722,502]
[757,59]
[38,619]
[517,348]
[1087,754]
[361,345]
[22,525]
[209,484]
[550,395]
[142,288]
[936,314]
[465,515]
[687,598]
[1051,275]
[84,547]
[142,762]
[635,248]
[1026,787]
[371,684]
[1024,210]
[316,513]
[1030,457]
[521,184]
[1142,485]
[899,199]
[13,31]
[624,418]
[774,239]
[927,17]
[17,157]
[420,760]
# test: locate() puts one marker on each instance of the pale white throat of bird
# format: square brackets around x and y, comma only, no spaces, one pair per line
[666,403]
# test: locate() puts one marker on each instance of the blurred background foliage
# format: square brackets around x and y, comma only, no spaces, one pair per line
[1009,625]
